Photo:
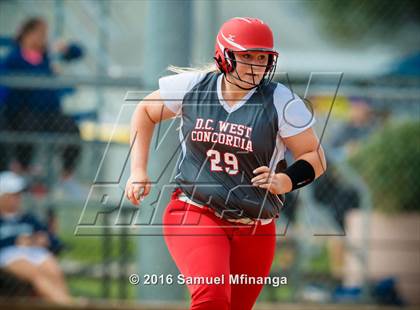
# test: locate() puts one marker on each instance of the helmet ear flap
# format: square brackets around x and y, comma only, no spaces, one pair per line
[271,68]
[270,60]
[219,62]
[222,62]
[230,60]
[269,63]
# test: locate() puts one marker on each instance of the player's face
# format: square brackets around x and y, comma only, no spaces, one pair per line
[250,67]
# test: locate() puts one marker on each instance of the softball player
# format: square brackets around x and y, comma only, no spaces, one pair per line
[235,127]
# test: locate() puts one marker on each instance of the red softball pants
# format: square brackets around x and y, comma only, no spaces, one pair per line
[203,245]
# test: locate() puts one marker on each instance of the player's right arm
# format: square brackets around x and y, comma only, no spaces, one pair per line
[150,111]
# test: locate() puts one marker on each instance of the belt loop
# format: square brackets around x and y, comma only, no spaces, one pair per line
[220,216]
[175,193]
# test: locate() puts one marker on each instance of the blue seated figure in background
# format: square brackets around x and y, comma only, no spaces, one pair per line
[27,109]
[26,244]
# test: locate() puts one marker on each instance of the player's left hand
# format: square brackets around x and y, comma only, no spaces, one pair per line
[275,183]
[41,239]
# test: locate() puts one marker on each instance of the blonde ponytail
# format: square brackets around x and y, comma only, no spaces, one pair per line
[211,67]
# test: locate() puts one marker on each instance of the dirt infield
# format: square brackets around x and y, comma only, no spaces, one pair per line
[28,304]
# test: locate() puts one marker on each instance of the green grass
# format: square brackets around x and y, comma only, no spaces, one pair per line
[282,293]
[89,249]
[92,288]
[320,263]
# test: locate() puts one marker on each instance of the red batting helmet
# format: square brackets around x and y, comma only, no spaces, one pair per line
[241,34]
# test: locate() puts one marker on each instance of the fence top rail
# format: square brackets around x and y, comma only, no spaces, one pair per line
[50,138]
[63,81]
[19,80]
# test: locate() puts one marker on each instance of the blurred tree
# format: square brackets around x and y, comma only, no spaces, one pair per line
[389,162]
[361,19]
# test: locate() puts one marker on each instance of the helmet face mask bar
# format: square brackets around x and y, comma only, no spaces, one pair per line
[270,69]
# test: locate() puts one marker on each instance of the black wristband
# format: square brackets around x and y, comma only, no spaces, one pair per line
[301,173]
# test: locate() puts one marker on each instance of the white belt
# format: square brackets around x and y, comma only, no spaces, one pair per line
[245,220]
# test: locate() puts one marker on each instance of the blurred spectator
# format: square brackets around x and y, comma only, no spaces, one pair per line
[408,66]
[338,196]
[37,110]
[331,190]
[3,153]
[358,127]
[26,244]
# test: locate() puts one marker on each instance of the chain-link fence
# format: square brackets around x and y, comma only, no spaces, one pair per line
[328,246]
[59,156]
[371,141]
[350,237]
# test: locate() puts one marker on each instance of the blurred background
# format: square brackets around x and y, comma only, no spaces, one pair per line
[71,73]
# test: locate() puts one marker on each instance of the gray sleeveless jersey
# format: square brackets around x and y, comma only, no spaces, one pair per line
[222,145]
